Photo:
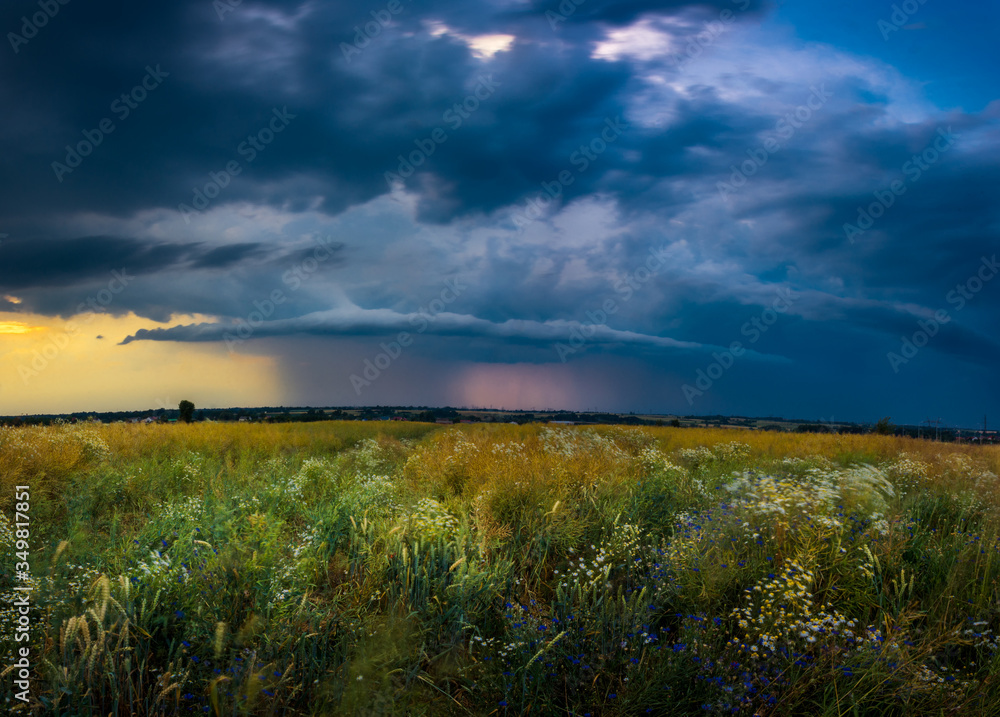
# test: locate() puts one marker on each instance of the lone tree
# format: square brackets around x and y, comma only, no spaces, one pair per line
[187,411]
[884,427]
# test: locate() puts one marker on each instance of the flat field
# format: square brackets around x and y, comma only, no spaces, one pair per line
[404,568]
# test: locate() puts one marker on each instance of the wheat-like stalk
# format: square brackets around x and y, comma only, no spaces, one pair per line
[220,634]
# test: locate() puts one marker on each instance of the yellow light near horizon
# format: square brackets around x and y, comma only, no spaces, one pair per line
[16,327]
[78,364]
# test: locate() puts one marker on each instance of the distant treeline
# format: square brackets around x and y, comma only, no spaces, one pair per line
[302,415]
[282,414]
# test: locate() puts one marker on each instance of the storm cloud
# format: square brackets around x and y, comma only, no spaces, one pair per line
[352,159]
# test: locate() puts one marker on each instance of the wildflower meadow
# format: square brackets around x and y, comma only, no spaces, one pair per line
[415,569]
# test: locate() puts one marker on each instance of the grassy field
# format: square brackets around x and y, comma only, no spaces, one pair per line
[376,568]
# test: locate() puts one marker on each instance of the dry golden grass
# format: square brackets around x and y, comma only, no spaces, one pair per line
[49,457]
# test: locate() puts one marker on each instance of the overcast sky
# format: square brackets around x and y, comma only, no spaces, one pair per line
[511,203]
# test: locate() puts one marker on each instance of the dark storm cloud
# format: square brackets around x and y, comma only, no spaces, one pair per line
[224,256]
[616,12]
[222,78]
[927,239]
[28,263]
[353,114]
[219,81]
